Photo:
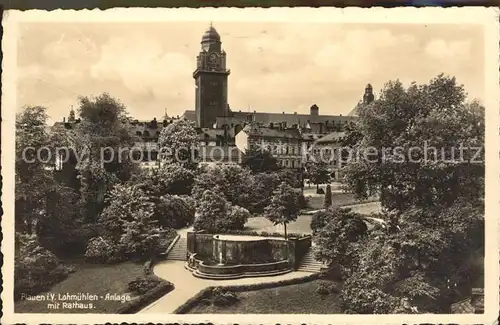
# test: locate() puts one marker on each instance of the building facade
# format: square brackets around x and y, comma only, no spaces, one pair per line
[282,143]
[288,136]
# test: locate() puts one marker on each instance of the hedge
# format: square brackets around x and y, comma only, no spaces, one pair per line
[146,299]
[205,293]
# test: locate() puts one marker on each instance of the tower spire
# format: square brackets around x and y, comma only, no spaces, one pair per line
[71,117]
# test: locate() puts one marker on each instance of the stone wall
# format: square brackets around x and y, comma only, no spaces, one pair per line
[200,243]
[258,251]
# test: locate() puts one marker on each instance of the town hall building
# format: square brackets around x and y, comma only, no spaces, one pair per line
[222,130]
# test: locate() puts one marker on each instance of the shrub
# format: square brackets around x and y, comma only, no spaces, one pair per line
[327,288]
[223,297]
[235,219]
[320,219]
[104,250]
[36,268]
[142,285]
[173,211]
[215,214]
[320,191]
[142,301]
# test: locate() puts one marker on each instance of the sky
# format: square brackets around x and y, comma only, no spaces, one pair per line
[275,67]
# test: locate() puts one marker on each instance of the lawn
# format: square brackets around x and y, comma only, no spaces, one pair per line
[93,279]
[292,299]
[338,199]
[303,223]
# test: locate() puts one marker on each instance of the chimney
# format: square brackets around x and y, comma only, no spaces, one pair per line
[64,120]
[314,110]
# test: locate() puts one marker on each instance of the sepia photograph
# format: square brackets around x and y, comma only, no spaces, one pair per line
[228,162]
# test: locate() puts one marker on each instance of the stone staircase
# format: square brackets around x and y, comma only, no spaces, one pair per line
[179,251]
[309,263]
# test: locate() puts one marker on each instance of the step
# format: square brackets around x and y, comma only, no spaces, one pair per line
[201,275]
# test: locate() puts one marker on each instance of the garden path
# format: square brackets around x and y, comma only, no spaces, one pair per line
[186,285]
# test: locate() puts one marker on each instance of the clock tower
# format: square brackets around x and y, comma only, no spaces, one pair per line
[210,80]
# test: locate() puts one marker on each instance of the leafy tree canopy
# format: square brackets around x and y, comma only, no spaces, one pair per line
[410,151]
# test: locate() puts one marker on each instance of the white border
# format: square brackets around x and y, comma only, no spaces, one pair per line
[488,17]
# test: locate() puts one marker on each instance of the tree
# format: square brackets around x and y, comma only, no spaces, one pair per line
[328,197]
[337,233]
[410,150]
[235,219]
[352,135]
[318,173]
[173,211]
[170,178]
[284,206]
[33,176]
[179,144]
[434,206]
[217,215]
[260,161]
[123,204]
[233,181]
[291,177]
[211,207]
[104,140]
[130,229]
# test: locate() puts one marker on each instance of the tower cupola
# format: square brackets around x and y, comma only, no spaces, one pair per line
[211,40]
[368,97]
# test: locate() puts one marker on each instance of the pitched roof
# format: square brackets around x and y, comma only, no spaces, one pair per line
[331,138]
[290,119]
[189,115]
[267,118]
[267,132]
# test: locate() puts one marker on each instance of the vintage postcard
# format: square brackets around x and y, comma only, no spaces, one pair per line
[283,165]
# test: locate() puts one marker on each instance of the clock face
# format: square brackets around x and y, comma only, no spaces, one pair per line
[213,58]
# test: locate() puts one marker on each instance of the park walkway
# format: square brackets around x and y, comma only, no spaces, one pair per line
[186,285]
